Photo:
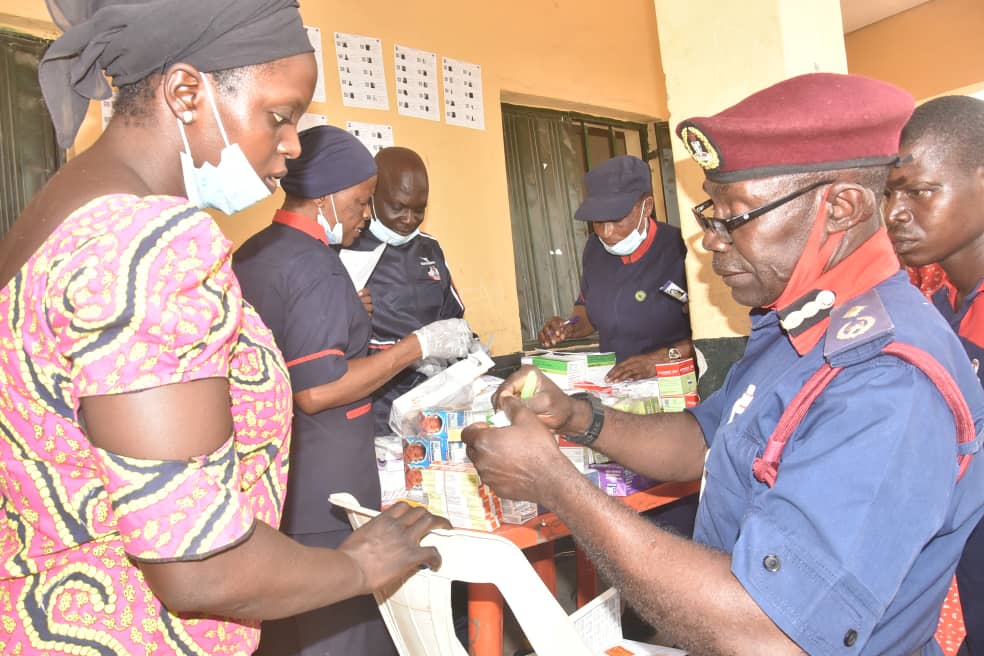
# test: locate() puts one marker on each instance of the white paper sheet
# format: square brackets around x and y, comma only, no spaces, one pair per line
[360,71]
[309,120]
[416,83]
[463,104]
[599,623]
[374,136]
[361,264]
[314,36]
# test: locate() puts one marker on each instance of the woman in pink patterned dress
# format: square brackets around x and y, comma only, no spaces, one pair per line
[144,408]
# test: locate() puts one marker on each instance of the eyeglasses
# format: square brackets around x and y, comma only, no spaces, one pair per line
[724,227]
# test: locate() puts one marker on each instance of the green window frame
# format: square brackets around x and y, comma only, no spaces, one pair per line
[29,153]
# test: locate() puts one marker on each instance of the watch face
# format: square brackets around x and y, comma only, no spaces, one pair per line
[673,353]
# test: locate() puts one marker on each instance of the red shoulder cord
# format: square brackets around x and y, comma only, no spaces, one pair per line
[766,468]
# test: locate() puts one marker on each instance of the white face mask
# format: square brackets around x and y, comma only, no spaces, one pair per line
[335,233]
[384,234]
[633,241]
[231,186]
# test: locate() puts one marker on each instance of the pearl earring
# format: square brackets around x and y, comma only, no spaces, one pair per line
[186,116]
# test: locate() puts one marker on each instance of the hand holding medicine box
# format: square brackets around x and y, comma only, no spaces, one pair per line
[452,388]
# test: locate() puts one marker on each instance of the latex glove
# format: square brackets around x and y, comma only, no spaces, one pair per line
[430,366]
[448,339]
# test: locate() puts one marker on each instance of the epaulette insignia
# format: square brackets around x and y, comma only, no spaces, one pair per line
[862,320]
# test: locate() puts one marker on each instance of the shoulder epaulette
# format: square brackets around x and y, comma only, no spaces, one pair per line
[858,330]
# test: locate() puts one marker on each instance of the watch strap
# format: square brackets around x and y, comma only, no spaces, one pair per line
[588,437]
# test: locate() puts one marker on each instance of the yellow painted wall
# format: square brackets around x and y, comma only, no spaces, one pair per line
[777,39]
[932,49]
[577,54]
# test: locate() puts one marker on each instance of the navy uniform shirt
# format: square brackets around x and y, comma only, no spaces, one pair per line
[303,293]
[410,286]
[967,321]
[623,298]
[853,549]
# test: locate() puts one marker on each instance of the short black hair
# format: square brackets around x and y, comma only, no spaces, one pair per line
[956,123]
[132,99]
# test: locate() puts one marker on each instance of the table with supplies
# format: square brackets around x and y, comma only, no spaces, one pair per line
[536,538]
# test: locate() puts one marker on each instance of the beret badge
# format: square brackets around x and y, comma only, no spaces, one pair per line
[700,148]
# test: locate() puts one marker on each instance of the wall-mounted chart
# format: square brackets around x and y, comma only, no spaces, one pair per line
[360,71]
[374,136]
[463,94]
[416,83]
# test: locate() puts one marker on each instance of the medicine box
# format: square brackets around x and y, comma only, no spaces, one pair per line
[455,492]
[566,369]
[441,427]
[416,458]
[437,390]
[619,481]
[517,512]
[679,403]
[676,378]
[579,455]
[389,465]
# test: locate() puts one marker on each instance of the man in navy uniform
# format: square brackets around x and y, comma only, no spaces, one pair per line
[934,212]
[633,283]
[839,487]
[411,284]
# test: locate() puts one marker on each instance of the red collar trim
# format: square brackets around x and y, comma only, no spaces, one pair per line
[871,264]
[644,246]
[305,224]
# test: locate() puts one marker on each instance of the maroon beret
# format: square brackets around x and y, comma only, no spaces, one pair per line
[814,122]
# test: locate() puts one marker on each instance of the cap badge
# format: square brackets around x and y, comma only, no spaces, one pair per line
[700,148]
[640,295]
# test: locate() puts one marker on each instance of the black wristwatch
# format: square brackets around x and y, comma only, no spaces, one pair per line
[588,437]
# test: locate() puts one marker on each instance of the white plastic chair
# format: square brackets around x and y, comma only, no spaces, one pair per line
[417,611]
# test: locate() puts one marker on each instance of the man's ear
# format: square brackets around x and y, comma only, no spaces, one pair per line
[183,90]
[847,205]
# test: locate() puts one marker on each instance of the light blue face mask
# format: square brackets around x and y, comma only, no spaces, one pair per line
[231,186]
[335,233]
[384,234]
[633,240]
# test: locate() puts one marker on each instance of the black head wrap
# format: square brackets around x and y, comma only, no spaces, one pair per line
[331,160]
[131,39]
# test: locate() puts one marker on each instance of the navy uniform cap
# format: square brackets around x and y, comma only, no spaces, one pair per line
[331,160]
[613,187]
